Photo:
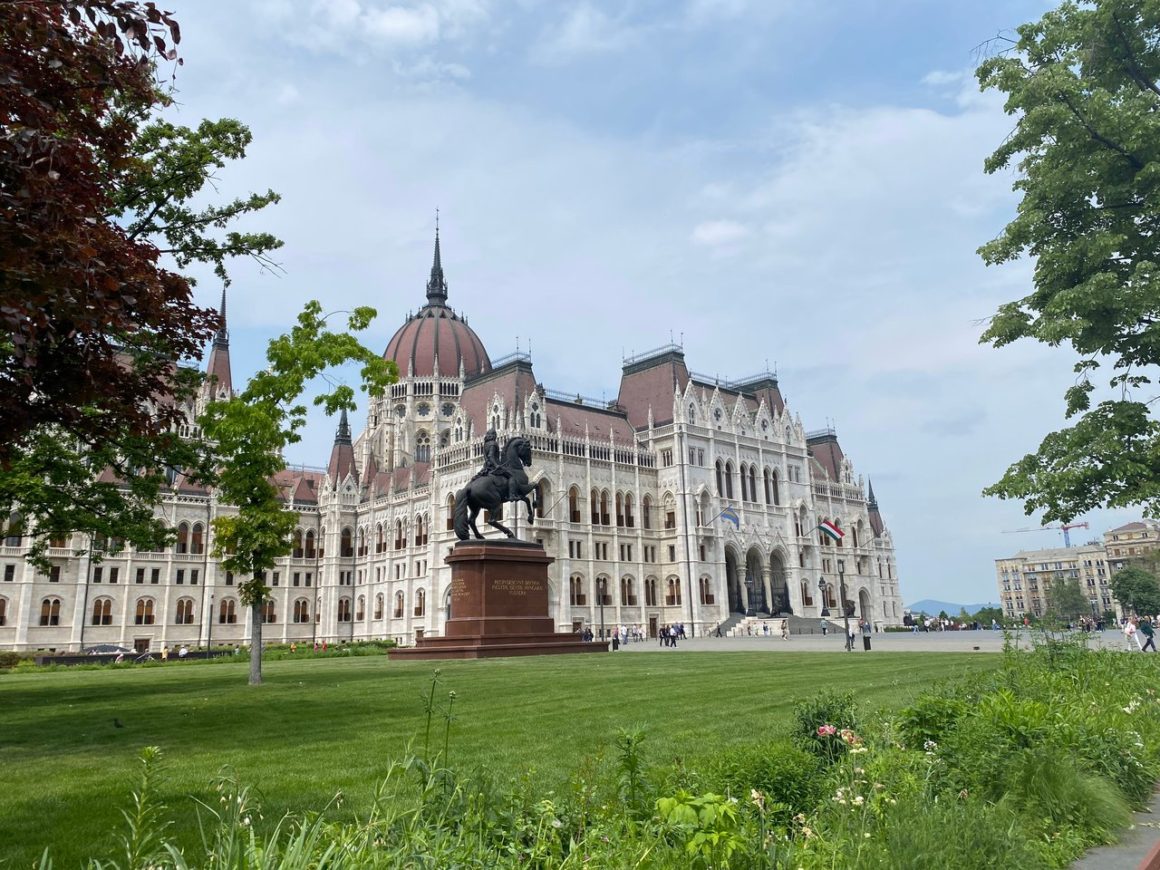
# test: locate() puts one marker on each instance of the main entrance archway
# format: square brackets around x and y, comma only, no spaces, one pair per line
[865,609]
[733,582]
[779,585]
[755,582]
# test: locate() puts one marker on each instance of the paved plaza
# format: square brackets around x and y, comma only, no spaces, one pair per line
[932,641]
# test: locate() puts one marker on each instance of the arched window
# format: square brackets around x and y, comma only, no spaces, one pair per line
[197,540]
[58,541]
[450,512]
[604,518]
[765,480]
[534,416]
[228,611]
[309,548]
[400,539]
[184,611]
[362,541]
[705,588]
[379,606]
[627,591]
[420,602]
[444,437]
[50,611]
[346,547]
[344,610]
[650,591]
[13,530]
[720,480]
[420,535]
[603,592]
[629,519]
[541,498]
[360,612]
[296,544]
[144,615]
[380,544]
[3,611]
[301,610]
[620,510]
[773,483]
[646,513]
[752,485]
[670,511]
[322,542]
[103,611]
[576,590]
[399,605]
[422,447]
[729,479]
[573,505]
[672,592]
[744,491]
[268,613]
[183,538]
[594,500]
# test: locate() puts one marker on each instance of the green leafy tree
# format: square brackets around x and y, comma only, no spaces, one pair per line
[250,432]
[1137,589]
[1082,83]
[95,191]
[985,615]
[1067,600]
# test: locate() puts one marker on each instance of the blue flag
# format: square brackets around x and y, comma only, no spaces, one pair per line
[730,514]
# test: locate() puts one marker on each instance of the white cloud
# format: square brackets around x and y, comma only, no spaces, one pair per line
[585,30]
[396,25]
[717,233]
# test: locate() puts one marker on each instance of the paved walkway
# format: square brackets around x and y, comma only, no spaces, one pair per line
[1134,845]
[931,641]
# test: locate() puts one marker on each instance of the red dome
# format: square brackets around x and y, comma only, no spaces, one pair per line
[437,331]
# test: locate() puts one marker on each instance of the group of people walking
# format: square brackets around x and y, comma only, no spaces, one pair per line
[1139,634]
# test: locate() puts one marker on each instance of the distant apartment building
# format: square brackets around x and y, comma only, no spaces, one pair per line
[1134,542]
[1025,579]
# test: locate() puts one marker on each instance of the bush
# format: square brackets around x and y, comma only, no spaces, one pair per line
[784,773]
[9,659]
[819,723]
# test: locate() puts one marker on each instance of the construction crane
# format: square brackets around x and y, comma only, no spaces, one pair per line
[1064,527]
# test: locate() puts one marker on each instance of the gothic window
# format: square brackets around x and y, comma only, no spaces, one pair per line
[720,480]
[448,409]
[3,611]
[268,613]
[672,592]
[595,503]
[398,605]
[717,414]
[670,511]
[103,611]
[627,591]
[344,610]
[422,447]
[296,544]
[645,513]
[705,588]
[144,615]
[573,505]
[534,418]
[752,485]
[301,610]
[183,538]
[541,498]
[576,590]
[322,542]
[360,610]
[50,611]
[228,611]
[620,510]
[450,512]
[458,431]
[400,538]
[197,539]
[362,541]
[400,411]
[309,546]
[420,602]
[650,592]
[346,547]
[423,408]
[184,611]
[379,606]
[692,413]
[744,492]
[728,480]
[629,520]
[444,438]
[776,489]
[604,508]
[603,596]
[13,530]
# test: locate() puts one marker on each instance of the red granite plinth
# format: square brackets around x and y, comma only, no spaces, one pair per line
[499,607]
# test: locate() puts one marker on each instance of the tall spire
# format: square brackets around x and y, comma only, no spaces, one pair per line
[222,338]
[872,502]
[343,434]
[436,285]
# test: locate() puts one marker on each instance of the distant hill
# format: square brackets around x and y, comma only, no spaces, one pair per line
[930,606]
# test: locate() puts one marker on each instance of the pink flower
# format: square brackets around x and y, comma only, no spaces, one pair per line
[827,730]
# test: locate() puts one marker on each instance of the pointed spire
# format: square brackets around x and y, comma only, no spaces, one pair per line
[436,285]
[872,501]
[343,434]
[222,338]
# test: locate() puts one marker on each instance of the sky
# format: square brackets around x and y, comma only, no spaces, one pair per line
[796,185]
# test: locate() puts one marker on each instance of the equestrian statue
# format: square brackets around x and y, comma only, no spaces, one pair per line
[502,479]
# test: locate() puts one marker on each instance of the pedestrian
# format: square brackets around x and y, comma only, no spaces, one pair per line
[866,628]
[165,653]
[183,652]
[785,629]
[825,627]
[851,630]
[1148,632]
[1129,635]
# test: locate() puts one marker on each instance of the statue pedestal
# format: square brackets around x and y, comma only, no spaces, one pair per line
[499,607]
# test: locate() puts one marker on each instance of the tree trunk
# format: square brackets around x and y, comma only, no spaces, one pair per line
[256,643]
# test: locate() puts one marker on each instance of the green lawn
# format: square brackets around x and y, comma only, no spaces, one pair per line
[320,726]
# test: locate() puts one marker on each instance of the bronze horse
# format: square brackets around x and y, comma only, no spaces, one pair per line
[489,493]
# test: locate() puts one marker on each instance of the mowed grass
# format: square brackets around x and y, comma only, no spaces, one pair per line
[318,727]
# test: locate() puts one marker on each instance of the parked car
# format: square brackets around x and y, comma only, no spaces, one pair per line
[107,649]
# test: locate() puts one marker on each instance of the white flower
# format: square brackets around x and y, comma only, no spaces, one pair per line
[859,800]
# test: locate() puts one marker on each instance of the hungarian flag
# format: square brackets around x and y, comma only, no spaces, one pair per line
[831,529]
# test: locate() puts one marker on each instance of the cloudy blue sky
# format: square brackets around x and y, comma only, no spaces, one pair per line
[792,182]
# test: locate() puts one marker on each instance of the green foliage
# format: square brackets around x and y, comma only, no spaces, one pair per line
[1082,83]
[708,825]
[250,432]
[791,779]
[1067,600]
[9,659]
[1137,590]
[819,723]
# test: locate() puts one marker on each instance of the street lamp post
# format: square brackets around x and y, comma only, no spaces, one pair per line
[1095,614]
[209,625]
[822,591]
[845,609]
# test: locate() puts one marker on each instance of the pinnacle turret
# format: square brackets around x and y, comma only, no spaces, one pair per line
[436,284]
[222,337]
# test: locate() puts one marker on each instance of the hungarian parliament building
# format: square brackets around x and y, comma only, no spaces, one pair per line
[688,499]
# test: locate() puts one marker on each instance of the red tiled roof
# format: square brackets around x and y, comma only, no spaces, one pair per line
[828,454]
[650,383]
[437,331]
